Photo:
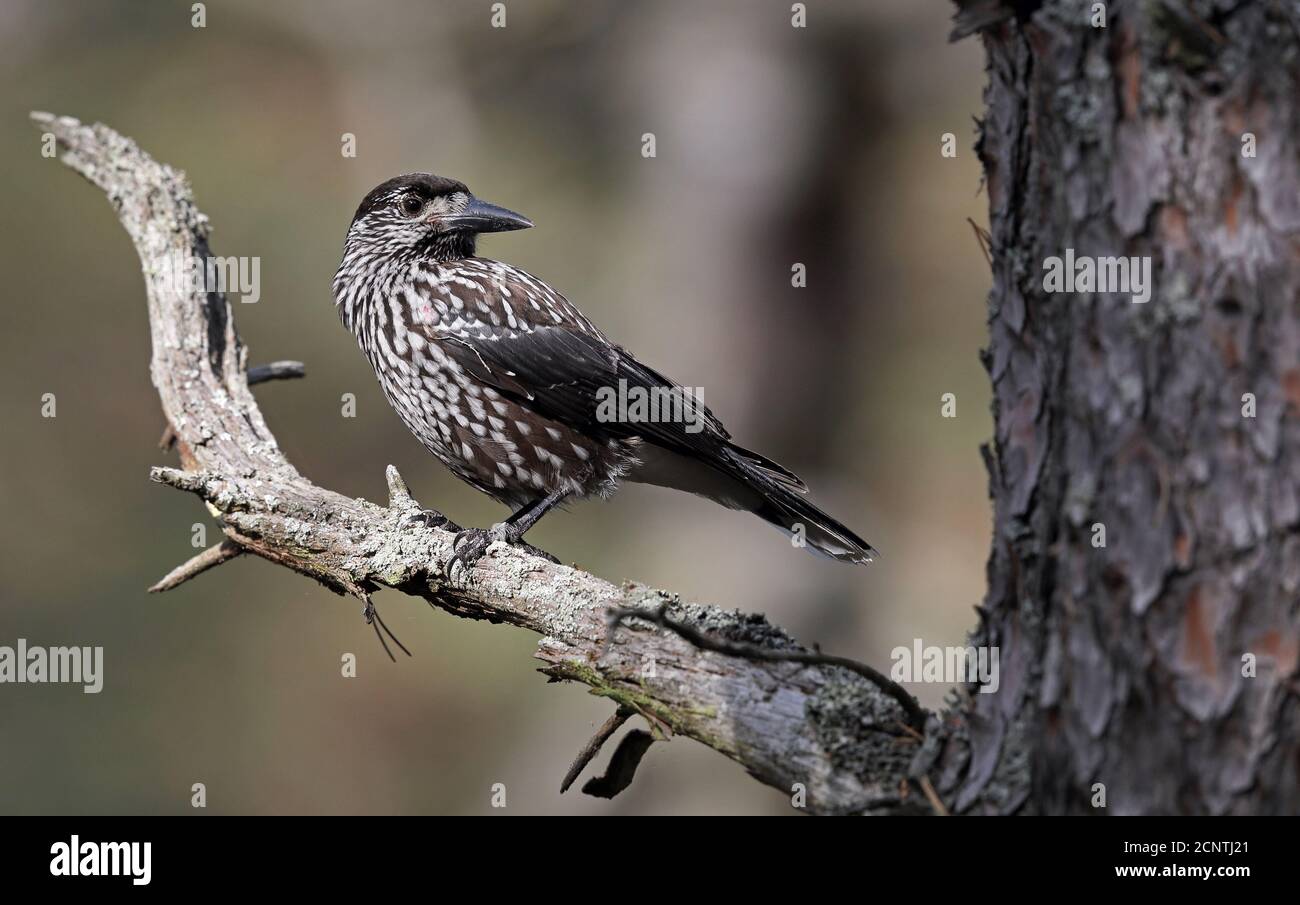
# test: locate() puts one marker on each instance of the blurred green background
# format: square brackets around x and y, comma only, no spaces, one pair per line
[775,145]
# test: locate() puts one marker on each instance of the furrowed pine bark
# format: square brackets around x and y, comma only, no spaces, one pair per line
[1160,668]
[815,727]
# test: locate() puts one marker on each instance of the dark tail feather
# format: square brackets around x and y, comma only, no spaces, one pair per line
[800,519]
[785,507]
[774,470]
[740,479]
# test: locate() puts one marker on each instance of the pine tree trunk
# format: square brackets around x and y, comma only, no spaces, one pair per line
[1144,581]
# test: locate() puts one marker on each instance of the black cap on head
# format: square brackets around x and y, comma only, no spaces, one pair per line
[426,185]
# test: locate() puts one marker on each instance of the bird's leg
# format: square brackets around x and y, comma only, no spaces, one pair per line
[513,528]
[472,543]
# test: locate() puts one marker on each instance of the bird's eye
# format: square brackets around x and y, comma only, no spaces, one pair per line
[411,205]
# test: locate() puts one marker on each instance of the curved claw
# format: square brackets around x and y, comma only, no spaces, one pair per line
[471,543]
[432,518]
[469,546]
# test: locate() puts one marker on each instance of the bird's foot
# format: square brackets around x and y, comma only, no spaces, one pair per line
[432,518]
[471,543]
[468,548]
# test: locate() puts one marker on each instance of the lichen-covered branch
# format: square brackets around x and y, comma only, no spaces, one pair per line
[817,725]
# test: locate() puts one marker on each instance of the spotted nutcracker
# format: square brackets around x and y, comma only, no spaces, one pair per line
[504,380]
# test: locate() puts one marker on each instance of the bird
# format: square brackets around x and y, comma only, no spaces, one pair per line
[513,389]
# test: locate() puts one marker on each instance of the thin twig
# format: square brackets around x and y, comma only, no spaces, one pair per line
[276,370]
[933,797]
[915,713]
[984,239]
[375,621]
[592,748]
[208,559]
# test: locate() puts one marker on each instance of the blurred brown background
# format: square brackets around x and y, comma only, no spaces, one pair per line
[776,145]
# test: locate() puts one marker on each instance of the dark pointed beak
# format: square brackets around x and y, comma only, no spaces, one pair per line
[482,217]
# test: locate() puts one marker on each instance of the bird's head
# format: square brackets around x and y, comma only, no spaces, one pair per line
[421,215]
